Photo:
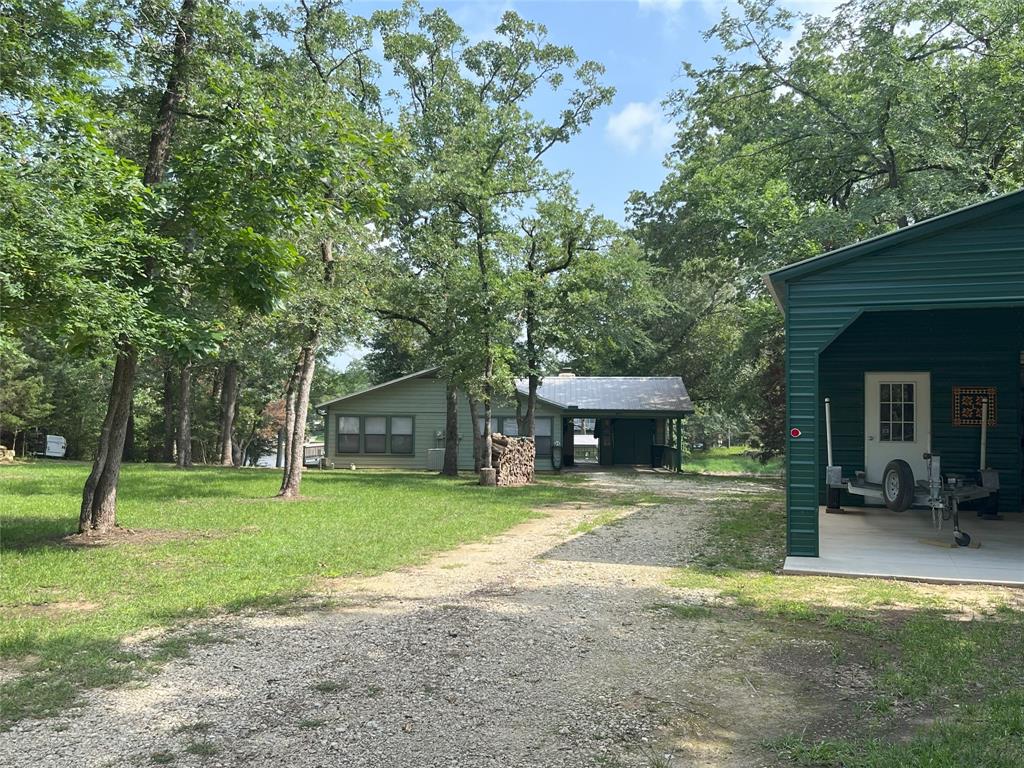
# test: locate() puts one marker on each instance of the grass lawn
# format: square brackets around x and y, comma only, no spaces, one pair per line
[945,663]
[208,540]
[730,461]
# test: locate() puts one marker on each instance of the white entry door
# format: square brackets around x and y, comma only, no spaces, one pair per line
[897,422]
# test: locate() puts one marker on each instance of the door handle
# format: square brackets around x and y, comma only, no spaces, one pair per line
[871,437]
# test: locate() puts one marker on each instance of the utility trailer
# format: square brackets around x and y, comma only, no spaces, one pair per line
[899,490]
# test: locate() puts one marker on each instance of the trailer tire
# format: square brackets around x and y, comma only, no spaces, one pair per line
[898,485]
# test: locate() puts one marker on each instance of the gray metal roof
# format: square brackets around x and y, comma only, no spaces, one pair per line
[614,393]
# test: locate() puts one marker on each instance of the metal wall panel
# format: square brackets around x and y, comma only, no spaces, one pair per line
[976,264]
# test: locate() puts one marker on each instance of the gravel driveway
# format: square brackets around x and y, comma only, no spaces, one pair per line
[542,647]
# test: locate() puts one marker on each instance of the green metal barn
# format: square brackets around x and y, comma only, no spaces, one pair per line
[909,335]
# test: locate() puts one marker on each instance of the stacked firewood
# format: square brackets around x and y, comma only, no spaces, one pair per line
[513,459]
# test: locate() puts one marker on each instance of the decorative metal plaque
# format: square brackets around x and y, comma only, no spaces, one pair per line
[967,406]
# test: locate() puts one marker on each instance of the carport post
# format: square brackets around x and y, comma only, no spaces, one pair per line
[679,445]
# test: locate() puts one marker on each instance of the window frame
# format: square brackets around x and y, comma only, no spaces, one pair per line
[361,435]
[501,425]
[411,436]
[550,437]
[887,408]
[385,434]
[358,433]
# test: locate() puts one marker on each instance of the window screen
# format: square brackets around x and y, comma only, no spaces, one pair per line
[348,434]
[896,413]
[480,425]
[401,434]
[542,431]
[375,434]
[509,426]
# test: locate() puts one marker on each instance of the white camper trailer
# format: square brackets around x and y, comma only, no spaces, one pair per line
[55,448]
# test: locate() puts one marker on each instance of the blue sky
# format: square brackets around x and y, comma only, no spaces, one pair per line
[641,44]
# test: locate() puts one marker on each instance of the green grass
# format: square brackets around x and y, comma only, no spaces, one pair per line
[202,749]
[208,540]
[921,652]
[609,517]
[329,686]
[730,461]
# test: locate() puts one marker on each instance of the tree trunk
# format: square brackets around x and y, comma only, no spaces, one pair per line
[185,416]
[306,367]
[128,452]
[290,483]
[228,400]
[478,439]
[488,402]
[168,406]
[99,497]
[167,114]
[531,406]
[532,363]
[289,412]
[451,431]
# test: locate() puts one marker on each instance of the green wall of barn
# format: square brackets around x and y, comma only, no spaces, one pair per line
[973,260]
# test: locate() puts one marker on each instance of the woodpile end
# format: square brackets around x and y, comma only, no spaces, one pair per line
[513,458]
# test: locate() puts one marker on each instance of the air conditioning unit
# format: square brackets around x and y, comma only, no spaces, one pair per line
[435,459]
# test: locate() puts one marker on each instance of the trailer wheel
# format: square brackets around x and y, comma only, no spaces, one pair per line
[898,485]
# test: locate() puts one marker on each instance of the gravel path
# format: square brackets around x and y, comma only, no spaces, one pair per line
[542,647]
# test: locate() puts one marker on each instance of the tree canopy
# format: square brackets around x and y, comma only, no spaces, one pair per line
[204,202]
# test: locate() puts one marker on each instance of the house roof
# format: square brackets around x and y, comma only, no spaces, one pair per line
[424,374]
[584,393]
[776,279]
[613,393]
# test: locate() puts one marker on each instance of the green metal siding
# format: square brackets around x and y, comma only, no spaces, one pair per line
[979,263]
[424,399]
[958,348]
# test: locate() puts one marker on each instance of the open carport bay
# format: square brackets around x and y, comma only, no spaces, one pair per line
[875,542]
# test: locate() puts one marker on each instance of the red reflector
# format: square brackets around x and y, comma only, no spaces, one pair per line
[795,432]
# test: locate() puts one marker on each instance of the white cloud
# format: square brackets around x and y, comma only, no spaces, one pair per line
[661,5]
[640,125]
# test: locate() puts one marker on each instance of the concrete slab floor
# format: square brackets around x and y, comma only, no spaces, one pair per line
[868,541]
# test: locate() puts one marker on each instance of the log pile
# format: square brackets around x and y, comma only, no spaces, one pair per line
[513,459]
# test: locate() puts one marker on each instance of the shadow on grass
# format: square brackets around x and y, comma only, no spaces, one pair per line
[64,667]
[61,668]
[26,532]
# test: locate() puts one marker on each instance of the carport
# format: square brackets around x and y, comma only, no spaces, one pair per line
[638,420]
[911,337]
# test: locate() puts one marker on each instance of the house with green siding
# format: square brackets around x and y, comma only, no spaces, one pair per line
[401,423]
[904,334]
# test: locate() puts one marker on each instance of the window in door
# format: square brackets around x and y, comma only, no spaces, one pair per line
[896,416]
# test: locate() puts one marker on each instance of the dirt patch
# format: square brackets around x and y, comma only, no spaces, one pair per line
[119,535]
[51,609]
